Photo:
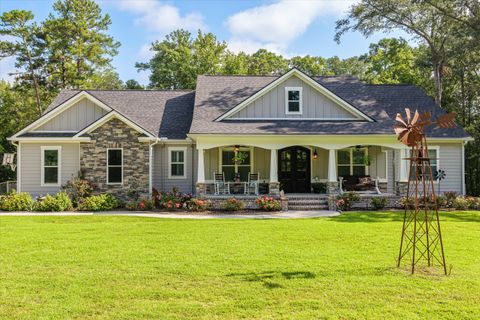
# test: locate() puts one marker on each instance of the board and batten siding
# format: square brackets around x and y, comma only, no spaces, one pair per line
[449,160]
[272,104]
[30,163]
[75,118]
[160,178]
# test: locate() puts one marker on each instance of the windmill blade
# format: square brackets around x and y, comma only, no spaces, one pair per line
[425,119]
[416,115]
[408,113]
[399,118]
[399,128]
[446,120]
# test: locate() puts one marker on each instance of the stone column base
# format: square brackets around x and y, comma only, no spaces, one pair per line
[401,188]
[274,188]
[333,187]
[332,203]
[201,189]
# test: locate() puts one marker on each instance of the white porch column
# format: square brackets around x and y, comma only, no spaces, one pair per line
[332,165]
[273,166]
[201,166]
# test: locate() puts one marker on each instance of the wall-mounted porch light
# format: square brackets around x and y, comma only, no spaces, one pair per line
[315,154]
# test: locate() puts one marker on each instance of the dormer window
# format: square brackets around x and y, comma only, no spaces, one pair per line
[293,100]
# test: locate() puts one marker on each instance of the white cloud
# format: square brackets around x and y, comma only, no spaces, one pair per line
[160,18]
[275,26]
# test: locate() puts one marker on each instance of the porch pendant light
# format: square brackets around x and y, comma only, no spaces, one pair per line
[236,148]
[315,154]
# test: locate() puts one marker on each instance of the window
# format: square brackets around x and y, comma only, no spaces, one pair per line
[50,166]
[350,162]
[230,168]
[114,166]
[433,155]
[293,100]
[176,160]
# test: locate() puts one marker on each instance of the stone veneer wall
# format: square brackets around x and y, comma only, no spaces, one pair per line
[93,158]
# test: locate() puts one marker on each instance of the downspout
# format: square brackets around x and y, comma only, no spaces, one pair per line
[18,166]
[150,165]
[193,166]
[463,168]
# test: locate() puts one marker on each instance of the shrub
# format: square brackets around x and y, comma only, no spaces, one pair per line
[268,204]
[78,189]
[171,200]
[461,203]
[450,196]
[319,187]
[17,202]
[473,203]
[406,201]
[100,202]
[378,203]
[197,205]
[346,200]
[442,201]
[59,202]
[233,204]
[141,204]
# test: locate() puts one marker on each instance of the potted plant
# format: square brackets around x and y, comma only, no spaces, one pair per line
[239,157]
[367,160]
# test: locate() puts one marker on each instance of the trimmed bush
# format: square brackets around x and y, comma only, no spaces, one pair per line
[78,189]
[268,204]
[461,203]
[233,204]
[172,200]
[319,187]
[346,200]
[59,202]
[140,204]
[102,202]
[17,202]
[197,205]
[378,203]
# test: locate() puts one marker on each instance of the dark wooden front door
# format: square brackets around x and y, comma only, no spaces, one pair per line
[294,169]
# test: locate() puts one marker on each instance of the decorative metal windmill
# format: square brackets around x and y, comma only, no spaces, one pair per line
[421,235]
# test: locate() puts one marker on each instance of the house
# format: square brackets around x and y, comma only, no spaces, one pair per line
[294,130]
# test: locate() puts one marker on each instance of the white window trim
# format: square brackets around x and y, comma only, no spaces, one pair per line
[251,164]
[121,166]
[170,149]
[299,89]
[404,164]
[59,166]
[351,165]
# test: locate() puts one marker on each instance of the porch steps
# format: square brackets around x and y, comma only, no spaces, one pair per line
[307,202]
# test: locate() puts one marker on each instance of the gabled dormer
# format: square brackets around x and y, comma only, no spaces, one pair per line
[294,96]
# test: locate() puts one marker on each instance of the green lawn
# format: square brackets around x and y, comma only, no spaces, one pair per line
[112,267]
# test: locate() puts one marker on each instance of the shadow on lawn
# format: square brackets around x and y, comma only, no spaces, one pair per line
[267,278]
[391,216]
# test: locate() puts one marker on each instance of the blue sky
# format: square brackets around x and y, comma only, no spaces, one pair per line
[288,27]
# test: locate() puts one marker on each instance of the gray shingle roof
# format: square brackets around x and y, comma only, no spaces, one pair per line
[164,113]
[167,113]
[215,95]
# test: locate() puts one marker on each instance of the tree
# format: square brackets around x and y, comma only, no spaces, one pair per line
[314,66]
[132,84]
[179,59]
[78,42]
[392,61]
[26,46]
[264,62]
[414,17]
[235,63]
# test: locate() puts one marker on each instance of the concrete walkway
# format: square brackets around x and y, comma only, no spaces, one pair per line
[274,215]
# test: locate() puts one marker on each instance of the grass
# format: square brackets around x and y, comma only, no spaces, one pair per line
[112,267]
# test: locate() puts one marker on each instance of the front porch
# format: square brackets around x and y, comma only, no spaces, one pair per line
[296,168]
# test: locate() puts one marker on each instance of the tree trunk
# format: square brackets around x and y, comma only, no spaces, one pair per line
[34,78]
[438,80]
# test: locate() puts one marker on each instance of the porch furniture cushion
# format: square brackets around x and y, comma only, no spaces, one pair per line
[355,183]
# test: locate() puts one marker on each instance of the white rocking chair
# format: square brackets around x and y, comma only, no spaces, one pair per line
[253,182]
[219,183]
